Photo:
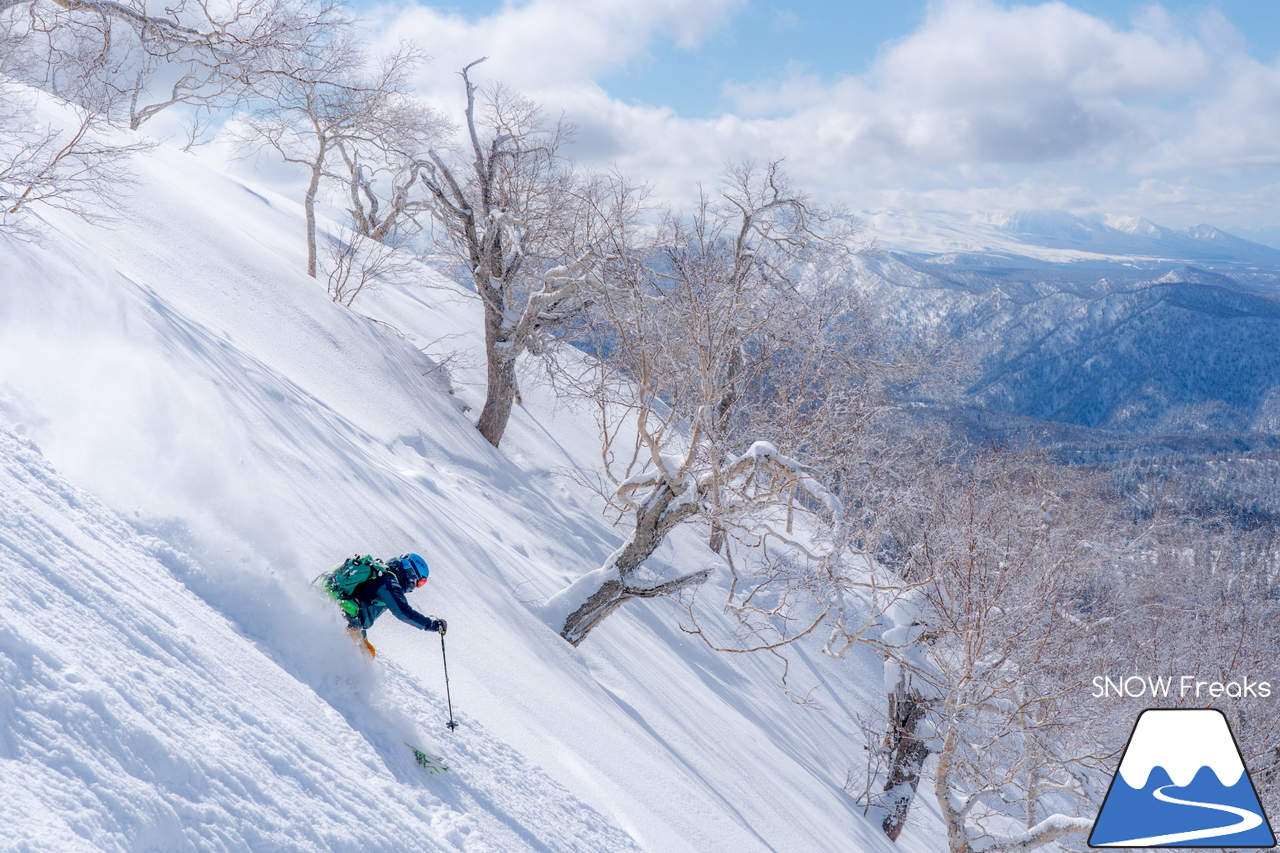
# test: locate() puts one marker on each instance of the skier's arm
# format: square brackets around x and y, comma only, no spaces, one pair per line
[392,595]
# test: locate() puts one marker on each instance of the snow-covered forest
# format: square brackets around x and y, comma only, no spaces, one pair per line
[724,567]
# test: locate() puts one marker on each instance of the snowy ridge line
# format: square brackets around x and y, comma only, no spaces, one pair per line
[1056,236]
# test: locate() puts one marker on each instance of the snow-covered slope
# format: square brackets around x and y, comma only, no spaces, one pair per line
[137,718]
[171,682]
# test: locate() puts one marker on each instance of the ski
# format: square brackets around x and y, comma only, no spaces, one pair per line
[427,761]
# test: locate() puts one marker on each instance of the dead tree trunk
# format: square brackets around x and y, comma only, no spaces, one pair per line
[908,752]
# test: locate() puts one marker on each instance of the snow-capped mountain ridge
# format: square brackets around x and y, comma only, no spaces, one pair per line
[1046,225]
[1110,348]
[1056,236]
[1136,225]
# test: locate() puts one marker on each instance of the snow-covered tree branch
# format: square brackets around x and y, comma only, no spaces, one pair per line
[727,354]
[989,659]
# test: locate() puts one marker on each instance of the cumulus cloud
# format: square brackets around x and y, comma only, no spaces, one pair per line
[550,45]
[978,82]
[985,105]
[1236,131]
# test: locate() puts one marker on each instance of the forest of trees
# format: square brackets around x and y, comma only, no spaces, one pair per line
[743,387]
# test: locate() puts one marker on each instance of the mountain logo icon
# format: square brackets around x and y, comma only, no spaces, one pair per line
[1182,783]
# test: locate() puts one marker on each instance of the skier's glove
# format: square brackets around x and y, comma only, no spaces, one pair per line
[441,626]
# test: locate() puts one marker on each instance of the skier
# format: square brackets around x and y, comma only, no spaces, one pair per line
[366,588]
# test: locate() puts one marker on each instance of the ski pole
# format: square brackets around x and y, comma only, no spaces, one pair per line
[445,660]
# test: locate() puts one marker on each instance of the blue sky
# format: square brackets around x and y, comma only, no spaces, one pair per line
[1165,110]
[842,37]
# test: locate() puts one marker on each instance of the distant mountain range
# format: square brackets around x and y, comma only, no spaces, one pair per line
[1081,323]
[1056,236]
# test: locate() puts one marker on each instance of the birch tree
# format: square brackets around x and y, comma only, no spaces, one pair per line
[510,208]
[991,657]
[724,358]
[1202,599]
[329,109]
[72,160]
[142,58]
[106,61]
[381,162]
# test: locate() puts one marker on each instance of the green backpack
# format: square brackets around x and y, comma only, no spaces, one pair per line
[342,581]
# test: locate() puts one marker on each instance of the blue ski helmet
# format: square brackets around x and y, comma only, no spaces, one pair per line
[415,568]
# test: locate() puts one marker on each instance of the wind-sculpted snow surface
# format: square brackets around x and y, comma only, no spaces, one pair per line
[135,718]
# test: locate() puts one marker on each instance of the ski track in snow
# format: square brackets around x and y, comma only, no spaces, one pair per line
[120,732]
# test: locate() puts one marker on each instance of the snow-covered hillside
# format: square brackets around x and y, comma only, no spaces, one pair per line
[190,431]
[138,718]
[1158,352]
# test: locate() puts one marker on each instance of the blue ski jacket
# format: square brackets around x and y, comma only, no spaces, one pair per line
[386,593]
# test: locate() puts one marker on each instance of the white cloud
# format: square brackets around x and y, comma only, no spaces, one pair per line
[1236,131]
[981,83]
[547,45]
[984,107]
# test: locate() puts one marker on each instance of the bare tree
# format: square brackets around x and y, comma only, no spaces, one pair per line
[332,104]
[512,216]
[725,354]
[138,60]
[356,264]
[1021,582]
[991,656]
[1201,599]
[383,159]
[74,160]
[105,59]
